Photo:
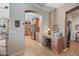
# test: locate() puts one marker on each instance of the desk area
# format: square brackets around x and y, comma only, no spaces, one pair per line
[55,44]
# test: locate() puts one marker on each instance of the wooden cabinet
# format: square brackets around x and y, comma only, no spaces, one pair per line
[4,43]
[57,45]
[48,43]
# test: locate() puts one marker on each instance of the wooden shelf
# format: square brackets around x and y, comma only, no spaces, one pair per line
[3,43]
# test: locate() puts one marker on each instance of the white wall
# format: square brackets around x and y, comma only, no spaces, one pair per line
[4,13]
[16,35]
[75,22]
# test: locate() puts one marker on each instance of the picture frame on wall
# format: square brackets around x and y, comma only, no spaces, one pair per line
[77,27]
[17,23]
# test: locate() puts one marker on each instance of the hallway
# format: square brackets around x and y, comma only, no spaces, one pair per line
[33,48]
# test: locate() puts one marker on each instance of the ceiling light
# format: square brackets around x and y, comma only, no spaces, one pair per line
[55,5]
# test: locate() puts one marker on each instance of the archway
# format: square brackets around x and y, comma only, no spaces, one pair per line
[33,27]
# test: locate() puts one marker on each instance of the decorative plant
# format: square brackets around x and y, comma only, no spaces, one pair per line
[55,28]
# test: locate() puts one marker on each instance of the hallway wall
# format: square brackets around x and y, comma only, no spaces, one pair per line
[60,15]
[16,35]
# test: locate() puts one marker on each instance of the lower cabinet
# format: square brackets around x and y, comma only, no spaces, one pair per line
[57,45]
[48,43]
[4,43]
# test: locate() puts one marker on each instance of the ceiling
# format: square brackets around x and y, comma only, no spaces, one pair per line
[75,13]
[48,6]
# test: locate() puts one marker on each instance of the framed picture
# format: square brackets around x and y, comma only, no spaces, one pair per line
[17,23]
[77,27]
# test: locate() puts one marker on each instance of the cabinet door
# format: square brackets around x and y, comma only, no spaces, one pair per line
[54,44]
[60,48]
[2,43]
[57,46]
[2,51]
[2,47]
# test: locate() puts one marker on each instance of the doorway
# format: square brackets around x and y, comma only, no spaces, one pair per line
[69,33]
[68,25]
[33,28]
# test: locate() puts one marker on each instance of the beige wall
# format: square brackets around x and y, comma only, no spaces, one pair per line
[60,15]
[53,17]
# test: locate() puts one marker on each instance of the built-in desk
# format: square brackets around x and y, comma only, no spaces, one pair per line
[56,43]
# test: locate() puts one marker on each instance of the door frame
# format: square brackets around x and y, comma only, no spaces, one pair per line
[66,19]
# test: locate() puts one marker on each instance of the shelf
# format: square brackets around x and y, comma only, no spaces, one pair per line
[3,43]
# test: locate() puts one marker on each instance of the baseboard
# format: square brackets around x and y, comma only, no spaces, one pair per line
[18,53]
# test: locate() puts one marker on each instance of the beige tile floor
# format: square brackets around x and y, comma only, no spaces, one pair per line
[34,48]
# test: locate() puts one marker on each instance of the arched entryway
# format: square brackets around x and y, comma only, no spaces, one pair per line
[33,28]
